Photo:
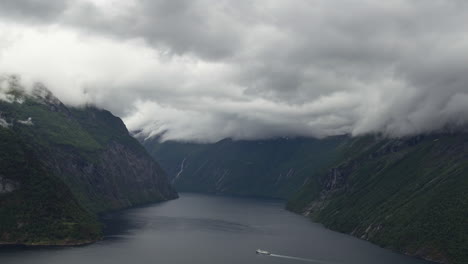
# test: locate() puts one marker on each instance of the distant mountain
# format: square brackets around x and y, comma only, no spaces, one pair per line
[409,194]
[268,168]
[60,166]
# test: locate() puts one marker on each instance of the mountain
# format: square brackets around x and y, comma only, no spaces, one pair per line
[35,206]
[61,166]
[268,168]
[407,194]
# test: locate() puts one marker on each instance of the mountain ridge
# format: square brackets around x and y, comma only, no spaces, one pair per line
[87,151]
[406,194]
[272,168]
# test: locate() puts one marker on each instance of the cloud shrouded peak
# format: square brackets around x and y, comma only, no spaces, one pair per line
[204,70]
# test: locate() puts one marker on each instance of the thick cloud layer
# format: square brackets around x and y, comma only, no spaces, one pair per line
[204,70]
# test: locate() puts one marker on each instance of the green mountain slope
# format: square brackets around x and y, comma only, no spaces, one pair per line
[268,168]
[36,207]
[70,164]
[409,195]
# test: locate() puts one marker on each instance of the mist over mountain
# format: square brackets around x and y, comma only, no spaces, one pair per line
[206,70]
[354,111]
[60,166]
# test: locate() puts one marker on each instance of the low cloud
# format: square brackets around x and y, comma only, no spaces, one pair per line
[33,10]
[27,122]
[4,123]
[204,70]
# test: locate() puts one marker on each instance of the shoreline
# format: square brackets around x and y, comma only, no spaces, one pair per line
[405,253]
[64,243]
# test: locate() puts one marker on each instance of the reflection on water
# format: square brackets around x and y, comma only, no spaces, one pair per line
[202,229]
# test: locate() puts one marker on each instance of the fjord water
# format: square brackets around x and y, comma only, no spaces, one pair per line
[203,229]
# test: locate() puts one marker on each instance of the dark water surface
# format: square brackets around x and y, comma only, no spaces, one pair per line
[202,229]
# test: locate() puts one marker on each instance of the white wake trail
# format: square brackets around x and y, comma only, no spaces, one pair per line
[302,259]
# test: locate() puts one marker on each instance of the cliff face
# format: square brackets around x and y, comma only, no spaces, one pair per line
[118,173]
[36,208]
[268,168]
[88,163]
[409,195]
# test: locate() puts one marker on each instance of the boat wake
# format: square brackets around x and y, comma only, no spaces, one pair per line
[267,253]
[302,259]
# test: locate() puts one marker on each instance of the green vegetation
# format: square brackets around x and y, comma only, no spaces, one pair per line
[105,127]
[50,127]
[41,209]
[409,195]
[64,166]
[57,172]
[268,168]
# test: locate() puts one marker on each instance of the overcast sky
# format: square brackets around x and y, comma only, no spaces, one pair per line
[205,70]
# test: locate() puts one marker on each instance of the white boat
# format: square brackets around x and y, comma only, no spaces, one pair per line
[262,252]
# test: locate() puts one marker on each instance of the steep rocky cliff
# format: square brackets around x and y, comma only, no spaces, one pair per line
[36,207]
[87,160]
[269,168]
[406,194]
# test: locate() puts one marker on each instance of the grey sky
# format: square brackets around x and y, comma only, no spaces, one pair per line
[32,10]
[204,69]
